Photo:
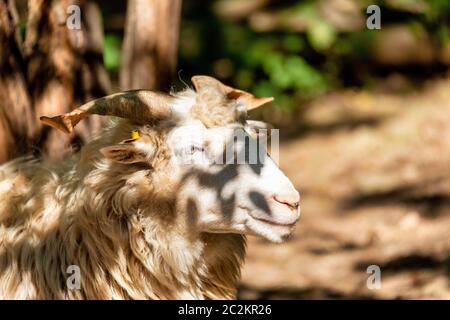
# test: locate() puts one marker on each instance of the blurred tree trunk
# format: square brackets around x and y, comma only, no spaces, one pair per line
[65,66]
[149,52]
[56,69]
[16,117]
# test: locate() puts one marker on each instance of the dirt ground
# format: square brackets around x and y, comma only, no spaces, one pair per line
[373,170]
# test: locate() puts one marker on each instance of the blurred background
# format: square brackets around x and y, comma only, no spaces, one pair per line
[364,118]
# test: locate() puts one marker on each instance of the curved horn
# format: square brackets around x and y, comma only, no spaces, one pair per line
[139,105]
[252,102]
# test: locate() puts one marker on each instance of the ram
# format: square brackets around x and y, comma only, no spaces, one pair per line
[148,210]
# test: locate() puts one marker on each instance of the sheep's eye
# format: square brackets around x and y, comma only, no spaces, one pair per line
[195,148]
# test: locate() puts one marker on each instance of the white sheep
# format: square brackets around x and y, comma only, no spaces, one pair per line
[131,215]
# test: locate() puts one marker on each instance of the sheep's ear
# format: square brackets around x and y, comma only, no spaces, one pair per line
[127,153]
[251,102]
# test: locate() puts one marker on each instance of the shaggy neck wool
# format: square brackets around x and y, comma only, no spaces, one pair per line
[122,250]
[86,214]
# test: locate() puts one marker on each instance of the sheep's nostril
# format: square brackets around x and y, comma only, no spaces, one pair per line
[291,200]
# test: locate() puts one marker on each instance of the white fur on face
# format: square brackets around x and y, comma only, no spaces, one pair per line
[230,197]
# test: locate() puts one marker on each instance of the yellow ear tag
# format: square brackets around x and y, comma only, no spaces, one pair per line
[135,134]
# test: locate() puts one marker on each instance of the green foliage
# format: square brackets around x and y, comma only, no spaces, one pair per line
[304,55]
[112,52]
[437,9]
[321,35]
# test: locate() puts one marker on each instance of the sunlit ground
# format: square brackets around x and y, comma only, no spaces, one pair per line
[374,173]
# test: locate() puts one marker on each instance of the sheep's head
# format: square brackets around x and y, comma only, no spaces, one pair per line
[199,150]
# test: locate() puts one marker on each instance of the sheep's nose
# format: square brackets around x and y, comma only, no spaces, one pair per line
[291,199]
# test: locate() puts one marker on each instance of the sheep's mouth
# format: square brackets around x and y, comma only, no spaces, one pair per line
[273,231]
[268,222]
[276,224]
